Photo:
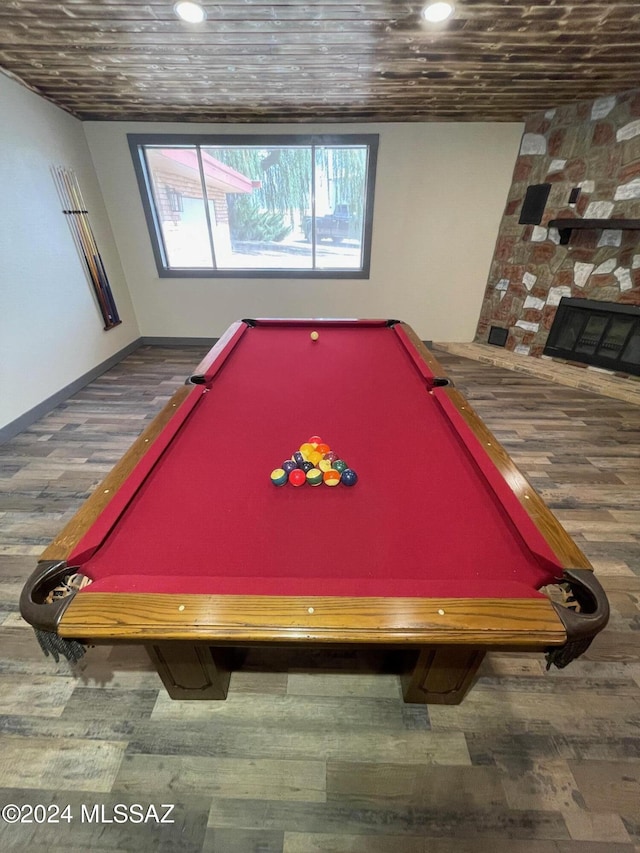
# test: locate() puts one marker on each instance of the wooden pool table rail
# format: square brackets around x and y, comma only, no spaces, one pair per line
[526,623]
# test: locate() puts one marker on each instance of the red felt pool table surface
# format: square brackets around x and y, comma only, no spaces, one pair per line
[430,515]
[440,549]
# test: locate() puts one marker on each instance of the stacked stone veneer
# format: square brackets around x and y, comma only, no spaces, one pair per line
[591,145]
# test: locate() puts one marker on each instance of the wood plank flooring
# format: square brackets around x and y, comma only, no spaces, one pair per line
[302,760]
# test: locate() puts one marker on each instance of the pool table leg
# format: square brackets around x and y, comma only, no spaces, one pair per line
[441,675]
[192,671]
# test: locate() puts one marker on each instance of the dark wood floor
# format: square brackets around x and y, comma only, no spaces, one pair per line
[305,761]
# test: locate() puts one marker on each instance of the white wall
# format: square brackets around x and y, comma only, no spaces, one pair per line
[440,194]
[51,331]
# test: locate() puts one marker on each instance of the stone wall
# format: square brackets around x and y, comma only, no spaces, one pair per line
[591,145]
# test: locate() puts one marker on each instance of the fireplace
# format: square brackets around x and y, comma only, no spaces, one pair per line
[604,334]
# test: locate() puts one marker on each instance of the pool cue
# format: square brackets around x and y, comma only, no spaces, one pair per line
[72,211]
[76,213]
[75,233]
[102,275]
[85,223]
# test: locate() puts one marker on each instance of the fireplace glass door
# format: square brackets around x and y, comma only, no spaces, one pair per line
[603,334]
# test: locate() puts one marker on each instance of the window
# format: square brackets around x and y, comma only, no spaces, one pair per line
[297,206]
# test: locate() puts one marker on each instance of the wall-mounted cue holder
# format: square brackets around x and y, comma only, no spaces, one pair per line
[75,210]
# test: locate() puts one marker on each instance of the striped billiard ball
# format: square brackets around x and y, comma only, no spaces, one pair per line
[314,477]
[279,477]
[331,478]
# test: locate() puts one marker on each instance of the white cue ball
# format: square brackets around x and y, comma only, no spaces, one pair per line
[314,336]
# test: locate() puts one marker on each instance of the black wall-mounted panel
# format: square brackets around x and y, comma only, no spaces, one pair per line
[497,336]
[533,204]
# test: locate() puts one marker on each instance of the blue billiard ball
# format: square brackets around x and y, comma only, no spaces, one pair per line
[349,477]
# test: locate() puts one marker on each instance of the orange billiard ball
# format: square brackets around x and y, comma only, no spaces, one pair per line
[331,478]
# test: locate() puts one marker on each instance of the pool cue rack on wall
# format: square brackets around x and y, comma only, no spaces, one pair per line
[74,208]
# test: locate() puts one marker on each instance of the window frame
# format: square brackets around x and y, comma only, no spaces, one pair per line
[138,141]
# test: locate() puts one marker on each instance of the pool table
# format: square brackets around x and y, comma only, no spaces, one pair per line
[442,549]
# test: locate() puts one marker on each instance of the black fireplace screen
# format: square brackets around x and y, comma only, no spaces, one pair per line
[604,334]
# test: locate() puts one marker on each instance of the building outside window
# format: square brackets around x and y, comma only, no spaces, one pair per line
[298,206]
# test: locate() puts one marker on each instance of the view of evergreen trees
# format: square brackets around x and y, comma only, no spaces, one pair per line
[278,206]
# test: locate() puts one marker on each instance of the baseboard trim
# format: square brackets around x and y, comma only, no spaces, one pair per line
[177,342]
[24,421]
[28,418]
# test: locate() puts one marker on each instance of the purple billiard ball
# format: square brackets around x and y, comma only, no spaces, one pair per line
[289,465]
[349,477]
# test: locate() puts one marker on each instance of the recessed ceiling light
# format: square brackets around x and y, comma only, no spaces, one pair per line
[436,12]
[192,13]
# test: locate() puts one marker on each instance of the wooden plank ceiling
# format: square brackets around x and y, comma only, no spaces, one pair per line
[329,60]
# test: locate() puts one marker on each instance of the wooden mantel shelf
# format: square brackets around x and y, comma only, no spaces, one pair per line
[566,226]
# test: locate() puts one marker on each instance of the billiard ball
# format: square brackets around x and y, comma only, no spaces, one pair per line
[340,465]
[289,465]
[279,477]
[314,336]
[314,477]
[331,478]
[297,477]
[349,477]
